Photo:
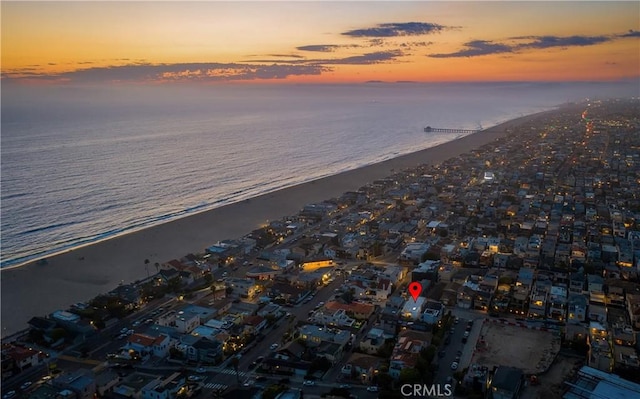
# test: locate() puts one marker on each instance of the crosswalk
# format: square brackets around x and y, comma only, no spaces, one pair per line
[229,376]
[232,372]
[216,386]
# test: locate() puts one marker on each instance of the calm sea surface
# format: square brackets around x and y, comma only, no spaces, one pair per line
[79,165]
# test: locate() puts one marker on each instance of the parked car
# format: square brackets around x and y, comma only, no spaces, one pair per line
[274,346]
[454,366]
[9,395]
[372,388]
[308,383]
[25,385]
[345,386]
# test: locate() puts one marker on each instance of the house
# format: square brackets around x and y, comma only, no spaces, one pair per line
[21,357]
[597,313]
[272,309]
[374,340]
[594,283]
[433,312]
[576,283]
[414,251]
[200,349]
[106,379]
[407,349]
[577,309]
[600,355]
[287,292]
[254,324]
[183,321]
[261,272]
[412,309]
[166,388]
[363,367]
[557,303]
[506,383]
[332,317]
[633,309]
[465,298]
[147,345]
[357,310]
[243,287]
[314,335]
[81,382]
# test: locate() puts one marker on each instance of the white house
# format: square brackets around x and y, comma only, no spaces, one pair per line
[413,309]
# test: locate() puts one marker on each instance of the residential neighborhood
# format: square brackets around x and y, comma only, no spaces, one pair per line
[527,252]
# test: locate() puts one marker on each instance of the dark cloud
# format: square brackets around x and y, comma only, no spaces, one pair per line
[477,48]
[377,57]
[410,45]
[631,33]
[541,42]
[180,72]
[323,48]
[286,55]
[396,29]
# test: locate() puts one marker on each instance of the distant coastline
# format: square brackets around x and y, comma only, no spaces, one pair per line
[85,272]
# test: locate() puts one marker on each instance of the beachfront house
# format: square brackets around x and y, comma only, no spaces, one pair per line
[147,345]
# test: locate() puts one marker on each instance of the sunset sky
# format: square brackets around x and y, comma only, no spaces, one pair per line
[319,42]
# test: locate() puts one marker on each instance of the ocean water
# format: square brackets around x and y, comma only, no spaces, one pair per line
[82,164]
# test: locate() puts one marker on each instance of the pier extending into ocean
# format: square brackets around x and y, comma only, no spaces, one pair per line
[430,129]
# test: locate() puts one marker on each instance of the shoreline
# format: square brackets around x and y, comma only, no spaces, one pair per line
[45,255]
[81,273]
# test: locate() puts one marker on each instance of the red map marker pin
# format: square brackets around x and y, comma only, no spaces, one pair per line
[415,289]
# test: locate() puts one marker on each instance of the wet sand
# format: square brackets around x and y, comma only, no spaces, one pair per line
[81,274]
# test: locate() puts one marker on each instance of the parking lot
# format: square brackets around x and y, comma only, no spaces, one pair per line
[506,345]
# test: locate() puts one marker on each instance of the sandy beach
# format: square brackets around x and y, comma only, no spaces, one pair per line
[81,274]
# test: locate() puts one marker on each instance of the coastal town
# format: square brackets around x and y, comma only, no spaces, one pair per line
[523,255]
